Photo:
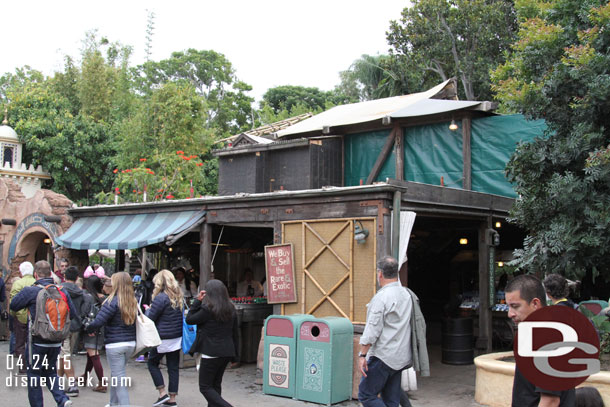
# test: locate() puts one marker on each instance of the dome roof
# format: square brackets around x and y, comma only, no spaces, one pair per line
[8,134]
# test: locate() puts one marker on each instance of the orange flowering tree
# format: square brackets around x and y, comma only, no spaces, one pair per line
[175,175]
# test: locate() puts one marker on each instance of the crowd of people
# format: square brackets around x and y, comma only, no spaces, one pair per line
[54,314]
[93,313]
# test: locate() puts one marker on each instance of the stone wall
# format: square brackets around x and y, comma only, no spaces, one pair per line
[19,241]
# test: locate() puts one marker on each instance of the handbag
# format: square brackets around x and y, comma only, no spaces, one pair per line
[408,380]
[147,336]
[189,332]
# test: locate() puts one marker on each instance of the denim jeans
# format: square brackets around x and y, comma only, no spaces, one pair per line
[117,360]
[173,361]
[404,399]
[380,378]
[210,380]
[44,365]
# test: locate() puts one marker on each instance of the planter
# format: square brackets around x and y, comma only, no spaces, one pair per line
[494,380]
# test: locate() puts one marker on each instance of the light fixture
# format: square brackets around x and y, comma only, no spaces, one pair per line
[463,241]
[360,233]
[47,241]
[453,126]
[171,249]
[500,264]
[498,224]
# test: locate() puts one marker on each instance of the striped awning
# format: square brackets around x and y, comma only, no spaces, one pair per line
[122,232]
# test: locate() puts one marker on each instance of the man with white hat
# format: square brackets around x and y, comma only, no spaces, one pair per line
[20,325]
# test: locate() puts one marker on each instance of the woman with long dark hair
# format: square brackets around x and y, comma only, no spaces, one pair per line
[94,341]
[118,317]
[216,340]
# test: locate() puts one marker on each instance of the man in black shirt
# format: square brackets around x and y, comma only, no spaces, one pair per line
[524,295]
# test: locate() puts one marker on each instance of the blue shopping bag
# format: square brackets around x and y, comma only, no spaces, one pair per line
[189,332]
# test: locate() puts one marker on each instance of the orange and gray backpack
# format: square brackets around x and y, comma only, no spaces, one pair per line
[52,321]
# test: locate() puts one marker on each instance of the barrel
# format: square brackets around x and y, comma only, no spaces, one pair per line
[457,342]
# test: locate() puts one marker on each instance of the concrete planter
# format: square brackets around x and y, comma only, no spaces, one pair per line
[494,380]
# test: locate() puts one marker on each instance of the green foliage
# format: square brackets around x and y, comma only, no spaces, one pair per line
[212,76]
[286,98]
[557,70]
[166,175]
[602,325]
[381,76]
[454,38]
[171,119]
[73,149]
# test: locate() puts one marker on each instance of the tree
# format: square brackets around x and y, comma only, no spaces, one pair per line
[557,70]
[165,175]
[374,77]
[212,76]
[288,96]
[455,38]
[171,120]
[75,150]
[21,78]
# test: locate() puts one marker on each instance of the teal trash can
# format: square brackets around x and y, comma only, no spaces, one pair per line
[324,360]
[280,353]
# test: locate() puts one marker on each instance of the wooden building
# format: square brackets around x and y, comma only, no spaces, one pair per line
[316,183]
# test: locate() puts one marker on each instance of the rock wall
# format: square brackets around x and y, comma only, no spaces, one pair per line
[46,213]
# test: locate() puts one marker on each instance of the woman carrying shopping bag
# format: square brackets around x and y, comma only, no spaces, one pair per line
[118,317]
[216,320]
[166,311]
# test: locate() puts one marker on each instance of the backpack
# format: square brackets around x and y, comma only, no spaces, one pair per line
[52,321]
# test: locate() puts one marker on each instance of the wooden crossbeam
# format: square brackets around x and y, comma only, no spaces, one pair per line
[326,245]
[383,155]
[326,295]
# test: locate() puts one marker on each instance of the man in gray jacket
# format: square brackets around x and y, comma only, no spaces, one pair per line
[385,345]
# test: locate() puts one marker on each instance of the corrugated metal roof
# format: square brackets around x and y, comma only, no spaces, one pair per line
[257,139]
[416,104]
[269,129]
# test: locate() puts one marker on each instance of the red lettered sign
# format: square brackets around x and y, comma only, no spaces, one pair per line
[279,264]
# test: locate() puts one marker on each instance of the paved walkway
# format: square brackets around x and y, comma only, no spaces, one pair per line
[448,386]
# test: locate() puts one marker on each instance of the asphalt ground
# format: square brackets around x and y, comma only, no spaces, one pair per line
[448,385]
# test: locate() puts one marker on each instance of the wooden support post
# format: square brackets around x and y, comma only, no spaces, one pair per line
[205,254]
[400,153]
[144,258]
[396,224]
[485,322]
[466,154]
[119,260]
[383,155]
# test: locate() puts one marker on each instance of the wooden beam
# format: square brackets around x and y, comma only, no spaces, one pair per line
[466,154]
[485,316]
[400,153]
[119,260]
[383,155]
[205,254]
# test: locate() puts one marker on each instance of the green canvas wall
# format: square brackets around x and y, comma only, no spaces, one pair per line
[434,151]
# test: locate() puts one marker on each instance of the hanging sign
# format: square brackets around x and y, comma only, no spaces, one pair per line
[279,265]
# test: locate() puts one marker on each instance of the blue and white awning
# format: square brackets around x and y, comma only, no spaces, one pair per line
[122,232]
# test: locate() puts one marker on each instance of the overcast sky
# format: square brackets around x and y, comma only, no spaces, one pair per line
[269,42]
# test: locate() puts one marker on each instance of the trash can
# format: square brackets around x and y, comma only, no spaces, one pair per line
[457,341]
[324,360]
[280,353]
